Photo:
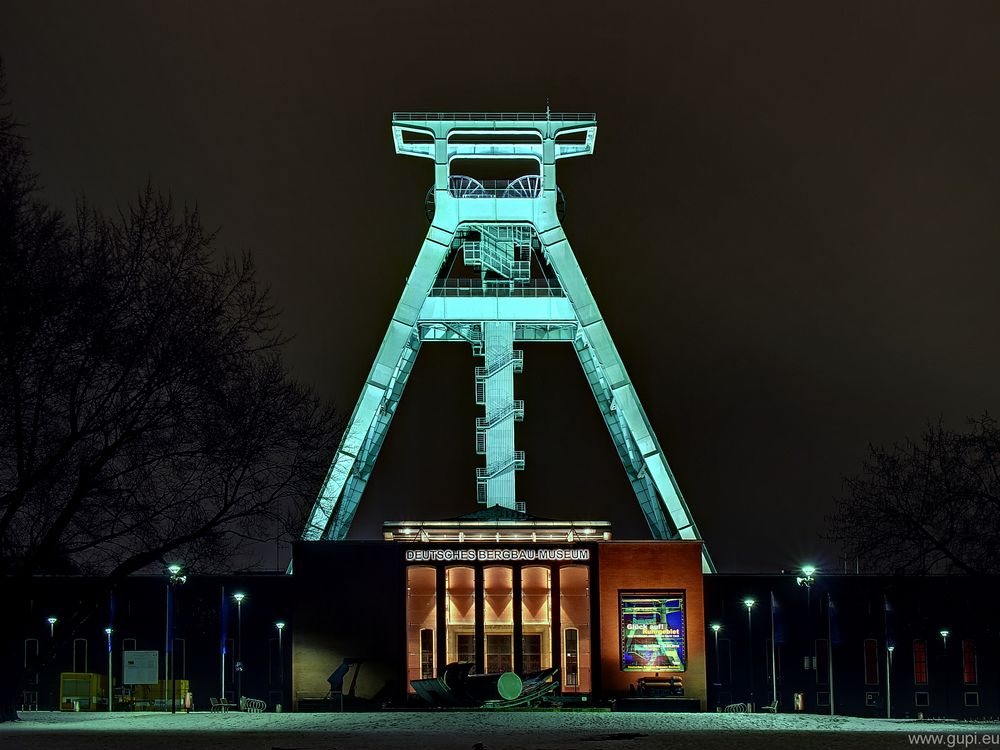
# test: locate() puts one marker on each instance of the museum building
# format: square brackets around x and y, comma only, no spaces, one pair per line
[505,592]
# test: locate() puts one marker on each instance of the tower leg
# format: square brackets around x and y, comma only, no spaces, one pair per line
[338,498]
[638,448]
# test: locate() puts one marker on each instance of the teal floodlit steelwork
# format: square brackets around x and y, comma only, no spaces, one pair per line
[496,269]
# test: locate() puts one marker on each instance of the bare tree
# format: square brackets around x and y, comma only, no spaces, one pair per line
[930,505]
[146,414]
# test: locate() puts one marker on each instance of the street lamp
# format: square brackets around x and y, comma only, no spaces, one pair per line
[52,626]
[281,659]
[807,579]
[174,579]
[111,691]
[239,597]
[748,603]
[888,680]
[716,627]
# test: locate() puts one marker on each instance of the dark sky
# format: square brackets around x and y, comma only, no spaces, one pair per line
[790,222]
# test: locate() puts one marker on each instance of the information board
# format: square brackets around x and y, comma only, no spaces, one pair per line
[141,667]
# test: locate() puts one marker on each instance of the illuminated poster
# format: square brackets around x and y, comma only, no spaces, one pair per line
[651,625]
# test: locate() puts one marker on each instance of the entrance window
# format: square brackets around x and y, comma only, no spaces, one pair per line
[421,614]
[426,653]
[461,613]
[531,648]
[572,658]
[574,606]
[536,617]
[466,648]
[499,653]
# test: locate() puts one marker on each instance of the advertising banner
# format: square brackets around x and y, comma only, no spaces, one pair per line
[651,626]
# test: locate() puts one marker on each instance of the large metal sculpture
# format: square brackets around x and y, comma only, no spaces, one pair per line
[495,269]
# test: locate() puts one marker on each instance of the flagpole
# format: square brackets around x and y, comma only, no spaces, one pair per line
[222,650]
[829,646]
[774,661]
[890,638]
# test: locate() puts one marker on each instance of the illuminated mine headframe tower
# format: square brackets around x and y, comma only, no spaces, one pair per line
[496,269]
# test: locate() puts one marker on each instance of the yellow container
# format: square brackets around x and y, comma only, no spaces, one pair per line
[81,691]
[157,697]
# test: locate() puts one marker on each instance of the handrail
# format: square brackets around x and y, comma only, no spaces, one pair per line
[516,357]
[496,189]
[512,409]
[475,288]
[495,116]
[488,472]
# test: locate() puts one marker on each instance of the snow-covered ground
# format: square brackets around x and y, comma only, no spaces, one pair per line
[477,730]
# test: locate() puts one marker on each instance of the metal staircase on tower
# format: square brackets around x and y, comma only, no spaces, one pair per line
[496,269]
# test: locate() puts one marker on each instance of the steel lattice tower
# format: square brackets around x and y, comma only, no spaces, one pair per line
[522,283]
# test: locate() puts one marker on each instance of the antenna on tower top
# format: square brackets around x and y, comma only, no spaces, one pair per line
[548,112]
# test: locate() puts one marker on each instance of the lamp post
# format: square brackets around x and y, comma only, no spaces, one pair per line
[718,682]
[716,627]
[52,626]
[281,660]
[239,597]
[748,603]
[888,680]
[175,578]
[807,579]
[944,672]
[111,691]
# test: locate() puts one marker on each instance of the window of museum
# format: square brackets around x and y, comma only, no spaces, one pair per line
[970,672]
[822,662]
[871,661]
[920,662]
[571,646]
[466,648]
[498,616]
[536,617]
[499,653]
[426,653]
[574,609]
[460,613]
[531,649]
[421,618]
